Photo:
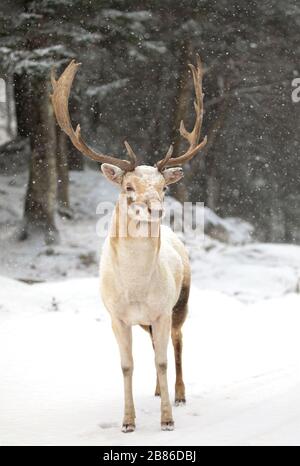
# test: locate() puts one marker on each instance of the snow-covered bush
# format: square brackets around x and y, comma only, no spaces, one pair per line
[230,230]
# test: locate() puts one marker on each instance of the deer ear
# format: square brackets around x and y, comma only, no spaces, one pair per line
[112,173]
[172,175]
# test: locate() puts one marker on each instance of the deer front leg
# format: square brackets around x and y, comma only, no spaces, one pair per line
[123,334]
[161,333]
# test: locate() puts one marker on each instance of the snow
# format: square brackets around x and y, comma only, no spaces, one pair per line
[233,268]
[3,110]
[105,89]
[157,46]
[230,229]
[132,15]
[2,93]
[250,272]
[38,60]
[61,382]
[77,254]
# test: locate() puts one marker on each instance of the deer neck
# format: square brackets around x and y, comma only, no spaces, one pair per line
[135,257]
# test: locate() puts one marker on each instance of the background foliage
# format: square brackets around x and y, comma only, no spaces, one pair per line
[134,84]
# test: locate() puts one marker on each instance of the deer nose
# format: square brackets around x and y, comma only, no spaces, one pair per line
[156,210]
[138,208]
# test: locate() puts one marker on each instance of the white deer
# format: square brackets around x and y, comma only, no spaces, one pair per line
[144,279]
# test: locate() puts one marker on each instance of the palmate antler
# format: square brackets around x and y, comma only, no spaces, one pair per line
[194,135]
[60,101]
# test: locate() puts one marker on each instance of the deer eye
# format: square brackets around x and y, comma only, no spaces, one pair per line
[129,188]
[165,188]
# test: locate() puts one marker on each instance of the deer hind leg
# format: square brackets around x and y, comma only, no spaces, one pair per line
[123,334]
[179,384]
[178,318]
[161,330]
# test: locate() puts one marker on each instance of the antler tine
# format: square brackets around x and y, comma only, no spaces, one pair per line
[167,157]
[60,102]
[131,154]
[193,136]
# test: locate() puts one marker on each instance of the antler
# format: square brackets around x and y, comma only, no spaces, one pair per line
[60,100]
[194,135]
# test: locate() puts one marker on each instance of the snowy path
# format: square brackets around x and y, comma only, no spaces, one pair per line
[61,383]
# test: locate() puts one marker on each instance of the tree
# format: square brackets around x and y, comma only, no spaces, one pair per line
[40,197]
[134,84]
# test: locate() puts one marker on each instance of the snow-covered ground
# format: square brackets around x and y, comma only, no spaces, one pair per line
[60,380]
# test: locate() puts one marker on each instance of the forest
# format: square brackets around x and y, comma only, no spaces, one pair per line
[60,376]
[134,84]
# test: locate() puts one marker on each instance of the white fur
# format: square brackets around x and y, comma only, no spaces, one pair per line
[140,281]
[140,286]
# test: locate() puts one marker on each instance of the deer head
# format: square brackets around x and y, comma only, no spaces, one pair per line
[143,185]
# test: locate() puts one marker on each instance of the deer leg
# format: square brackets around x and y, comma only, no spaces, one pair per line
[161,332]
[123,334]
[179,384]
[157,388]
[148,329]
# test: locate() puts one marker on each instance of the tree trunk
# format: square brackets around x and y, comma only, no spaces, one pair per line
[75,158]
[213,186]
[41,191]
[179,190]
[62,174]
[23,104]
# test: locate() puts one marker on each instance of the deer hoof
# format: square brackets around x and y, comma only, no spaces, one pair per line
[126,428]
[167,425]
[180,402]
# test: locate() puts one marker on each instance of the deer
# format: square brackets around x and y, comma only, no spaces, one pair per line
[144,279]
